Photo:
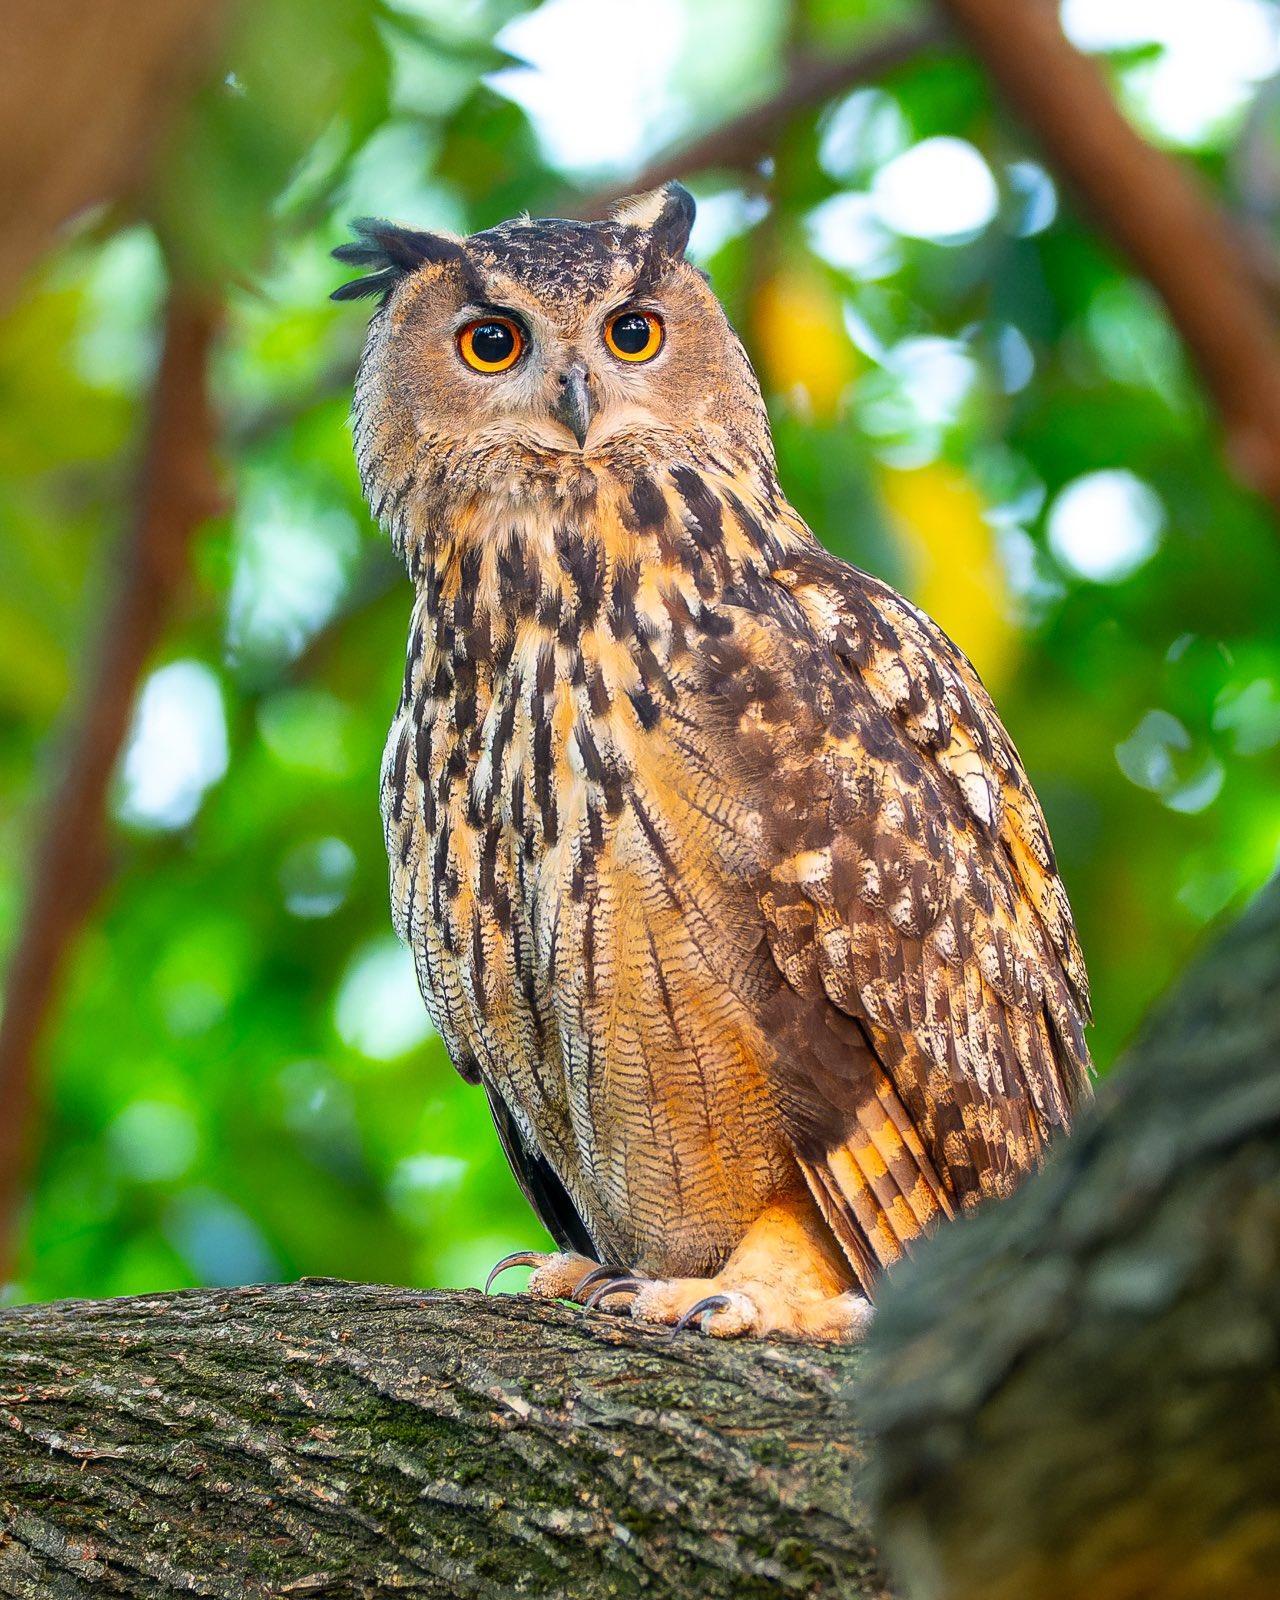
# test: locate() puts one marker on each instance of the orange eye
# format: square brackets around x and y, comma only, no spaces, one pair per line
[634,335]
[491,345]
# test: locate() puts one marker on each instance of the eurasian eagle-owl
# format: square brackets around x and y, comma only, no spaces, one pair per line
[721,874]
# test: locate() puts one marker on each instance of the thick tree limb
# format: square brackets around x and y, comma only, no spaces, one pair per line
[337,1440]
[1078,1393]
[175,494]
[1075,1396]
[1154,209]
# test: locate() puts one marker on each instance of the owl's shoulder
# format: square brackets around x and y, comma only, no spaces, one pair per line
[835,682]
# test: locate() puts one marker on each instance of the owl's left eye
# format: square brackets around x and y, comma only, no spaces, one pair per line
[634,335]
[492,344]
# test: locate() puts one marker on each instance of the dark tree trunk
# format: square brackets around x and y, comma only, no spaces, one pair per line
[1078,1393]
[329,1439]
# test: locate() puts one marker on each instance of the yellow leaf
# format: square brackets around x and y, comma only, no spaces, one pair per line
[800,340]
[956,574]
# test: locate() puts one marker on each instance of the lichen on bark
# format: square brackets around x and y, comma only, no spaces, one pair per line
[337,1439]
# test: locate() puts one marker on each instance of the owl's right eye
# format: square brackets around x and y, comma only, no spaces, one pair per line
[492,344]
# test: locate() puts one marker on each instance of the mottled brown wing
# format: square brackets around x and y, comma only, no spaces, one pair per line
[930,1040]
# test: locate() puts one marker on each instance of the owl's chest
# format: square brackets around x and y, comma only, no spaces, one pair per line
[572,866]
[502,783]
[582,945]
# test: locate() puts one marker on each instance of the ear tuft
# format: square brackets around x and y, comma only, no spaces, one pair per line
[391,253]
[665,214]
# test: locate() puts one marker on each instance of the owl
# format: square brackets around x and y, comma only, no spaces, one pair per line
[722,877]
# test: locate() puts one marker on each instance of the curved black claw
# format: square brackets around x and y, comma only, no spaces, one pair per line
[606,1274]
[599,1275]
[712,1302]
[614,1286]
[517,1258]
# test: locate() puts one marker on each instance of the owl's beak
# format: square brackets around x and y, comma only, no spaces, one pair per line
[574,407]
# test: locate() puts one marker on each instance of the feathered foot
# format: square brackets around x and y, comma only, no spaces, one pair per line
[728,1309]
[562,1276]
[787,1279]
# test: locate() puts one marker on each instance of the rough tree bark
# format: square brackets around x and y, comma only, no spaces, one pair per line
[1078,1393]
[337,1440]
[1074,1396]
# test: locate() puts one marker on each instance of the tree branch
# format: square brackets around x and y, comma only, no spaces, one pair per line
[1156,211]
[73,133]
[746,139]
[175,494]
[338,1440]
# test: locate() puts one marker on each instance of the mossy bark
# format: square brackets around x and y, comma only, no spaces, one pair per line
[1077,1393]
[331,1439]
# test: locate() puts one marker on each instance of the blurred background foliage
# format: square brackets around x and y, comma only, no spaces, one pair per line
[971,397]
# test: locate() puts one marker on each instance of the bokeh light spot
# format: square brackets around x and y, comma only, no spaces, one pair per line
[379,1011]
[1210,57]
[419,1184]
[1105,525]
[940,189]
[177,749]
[862,133]
[308,730]
[1160,755]
[294,561]
[316,875]
[219,1241]
[588,113]
[722,217]
[153,1141]
[847,232]
[1250,713]
[1035,196]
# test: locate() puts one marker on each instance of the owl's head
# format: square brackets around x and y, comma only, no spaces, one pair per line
[540,345]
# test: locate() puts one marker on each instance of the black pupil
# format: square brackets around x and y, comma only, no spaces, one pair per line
[493,341]
[631,334]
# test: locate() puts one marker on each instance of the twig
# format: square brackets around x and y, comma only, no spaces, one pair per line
[176,492]
[1154,209]
[748,138]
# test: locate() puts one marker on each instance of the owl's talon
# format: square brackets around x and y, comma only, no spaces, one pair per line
[710,1302]
[612,1286]
[599,1275]
[517,1258]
